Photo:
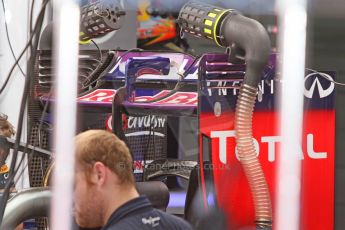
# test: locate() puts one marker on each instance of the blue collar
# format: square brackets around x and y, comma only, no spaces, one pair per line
[133,207]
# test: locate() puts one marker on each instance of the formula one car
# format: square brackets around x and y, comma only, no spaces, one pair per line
[137,94]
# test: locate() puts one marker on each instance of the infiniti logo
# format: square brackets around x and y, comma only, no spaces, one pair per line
[322,91]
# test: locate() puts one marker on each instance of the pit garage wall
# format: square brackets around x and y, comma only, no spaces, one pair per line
[17,17]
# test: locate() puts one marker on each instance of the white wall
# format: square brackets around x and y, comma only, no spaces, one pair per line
[17,18]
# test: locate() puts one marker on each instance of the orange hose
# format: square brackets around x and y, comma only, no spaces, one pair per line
[247,154]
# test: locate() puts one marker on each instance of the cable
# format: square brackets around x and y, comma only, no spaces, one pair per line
[148,143]
[31,61]
[95,73]
[31,15]
[153,141]
[9,40]
[99,50]
[24,50]
[100,62]
[31,154]
[117,60]
[184,75]
[22,108]
[323,75]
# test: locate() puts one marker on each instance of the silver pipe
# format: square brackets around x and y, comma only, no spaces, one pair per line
[28,204]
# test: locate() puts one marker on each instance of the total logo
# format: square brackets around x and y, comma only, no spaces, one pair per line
[324,90]
[271,141]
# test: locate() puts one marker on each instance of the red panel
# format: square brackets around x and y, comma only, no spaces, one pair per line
[233,194]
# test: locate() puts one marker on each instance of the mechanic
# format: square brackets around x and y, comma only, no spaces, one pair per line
[104,190]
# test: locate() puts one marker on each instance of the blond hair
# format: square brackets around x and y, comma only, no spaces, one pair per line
[105,147]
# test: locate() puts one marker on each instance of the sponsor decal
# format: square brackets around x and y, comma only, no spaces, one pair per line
[99,95]
[265,87]
[106,96]
[146,121]
[130,123]
[324,90]
[271,141]
[109,122]
[319,82]
[181,98]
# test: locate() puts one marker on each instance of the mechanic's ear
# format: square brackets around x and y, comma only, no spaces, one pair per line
[98,173]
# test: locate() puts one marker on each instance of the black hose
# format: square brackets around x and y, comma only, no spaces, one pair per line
[250,36]
[228,28]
